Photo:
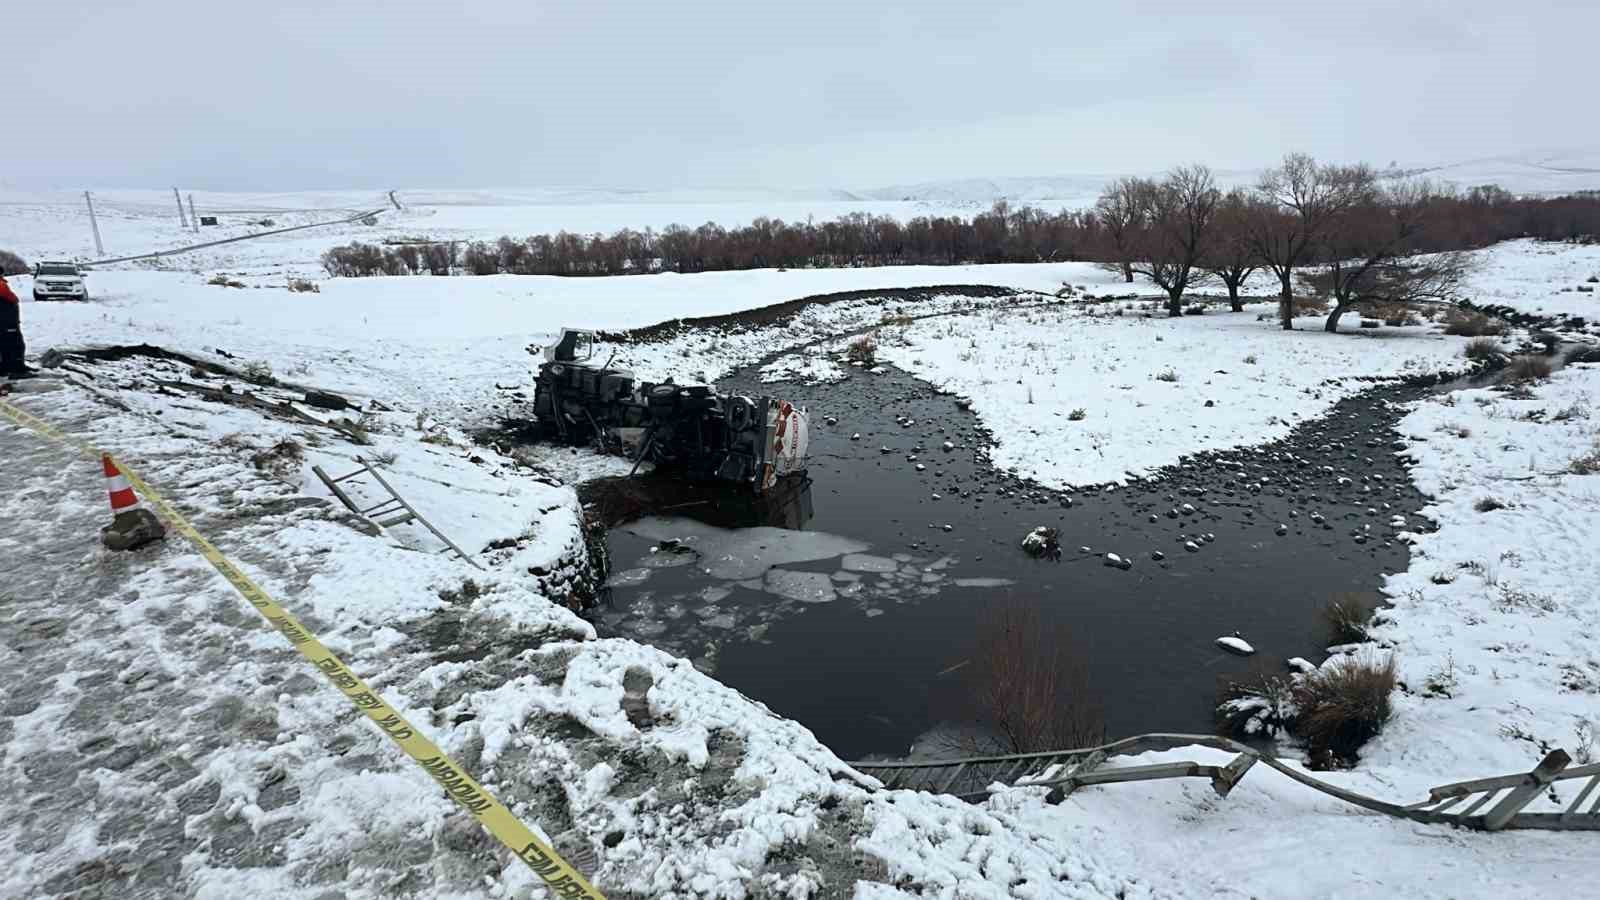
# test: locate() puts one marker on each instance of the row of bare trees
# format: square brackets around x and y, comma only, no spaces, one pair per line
[1353,238]
[1342,231]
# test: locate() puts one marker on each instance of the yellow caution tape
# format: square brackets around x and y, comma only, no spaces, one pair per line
[562,879]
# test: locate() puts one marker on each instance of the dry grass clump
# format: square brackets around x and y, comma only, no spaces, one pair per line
[1347,616]
[1258,704]
[863,350]
[1472,324]
[282,460]
[1479,349]
[1528,368]
[1343,705]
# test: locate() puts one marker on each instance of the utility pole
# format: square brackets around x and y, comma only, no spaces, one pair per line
[193,219]
[180,209]
[99,248]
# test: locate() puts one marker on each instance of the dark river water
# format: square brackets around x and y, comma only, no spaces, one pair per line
[864,627]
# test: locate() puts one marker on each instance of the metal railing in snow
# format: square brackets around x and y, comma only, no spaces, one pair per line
[1499,805]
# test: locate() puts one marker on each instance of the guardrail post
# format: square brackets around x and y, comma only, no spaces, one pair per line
[1519,796]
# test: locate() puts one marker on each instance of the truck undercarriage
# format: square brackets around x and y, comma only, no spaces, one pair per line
[690,430]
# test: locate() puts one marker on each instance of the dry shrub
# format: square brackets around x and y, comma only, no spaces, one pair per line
[225,281]
[1528,368]
[1305,306]
[1393,314]
[1584,355]
[303,286]
[282,460]
[1347,615]
[1482,348]
[1343,705]
[1488,504]
[1587,464]
[1029,685]
[1258,704]
[1471,324]
[863,350]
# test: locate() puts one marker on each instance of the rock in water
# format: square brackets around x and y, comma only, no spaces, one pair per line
[1118,562]
[1301,665]
[1235,643]
[1042,541]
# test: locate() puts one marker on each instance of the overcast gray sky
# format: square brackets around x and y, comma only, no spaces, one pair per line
[218,94]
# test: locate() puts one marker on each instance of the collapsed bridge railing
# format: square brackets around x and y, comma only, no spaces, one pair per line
[1499,804]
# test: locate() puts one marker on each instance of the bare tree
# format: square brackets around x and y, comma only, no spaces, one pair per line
[1029,686]
[1373,256]
[1229,255]
[12,264]
[1120,213]
[1302,201]
[1179,214]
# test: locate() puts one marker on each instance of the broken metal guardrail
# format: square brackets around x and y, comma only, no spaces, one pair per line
[1064,771]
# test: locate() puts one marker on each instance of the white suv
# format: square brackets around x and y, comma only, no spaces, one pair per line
[58,281]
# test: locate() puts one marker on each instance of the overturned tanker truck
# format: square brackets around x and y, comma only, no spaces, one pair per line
[686,429]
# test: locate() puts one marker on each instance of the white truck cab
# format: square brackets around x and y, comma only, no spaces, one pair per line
[59,281]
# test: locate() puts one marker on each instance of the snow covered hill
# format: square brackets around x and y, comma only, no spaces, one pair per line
[1547,172]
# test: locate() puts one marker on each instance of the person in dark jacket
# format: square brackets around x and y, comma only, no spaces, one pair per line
[11,345]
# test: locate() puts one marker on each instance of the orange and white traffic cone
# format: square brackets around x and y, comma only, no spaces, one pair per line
[131,524]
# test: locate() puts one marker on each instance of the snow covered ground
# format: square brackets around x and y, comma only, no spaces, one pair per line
[158,740]
[1540,278]
[1079,396]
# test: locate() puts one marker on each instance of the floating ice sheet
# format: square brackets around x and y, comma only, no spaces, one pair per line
[628,578]
[982,582]
[861,562]
[805,587]
[740,554]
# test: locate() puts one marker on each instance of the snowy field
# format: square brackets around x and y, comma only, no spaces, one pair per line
[55,224]
[188,753]
[1545,279]
[1083,397]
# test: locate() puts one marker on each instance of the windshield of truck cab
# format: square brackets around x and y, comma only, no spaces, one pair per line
[58,270]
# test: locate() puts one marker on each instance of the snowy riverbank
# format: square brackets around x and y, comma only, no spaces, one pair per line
[157,738]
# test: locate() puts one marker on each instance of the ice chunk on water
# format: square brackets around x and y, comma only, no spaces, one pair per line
[806,587]
[744,553]
[861,562]
[628,578]
[715,593]
[983,582]
[725,621]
